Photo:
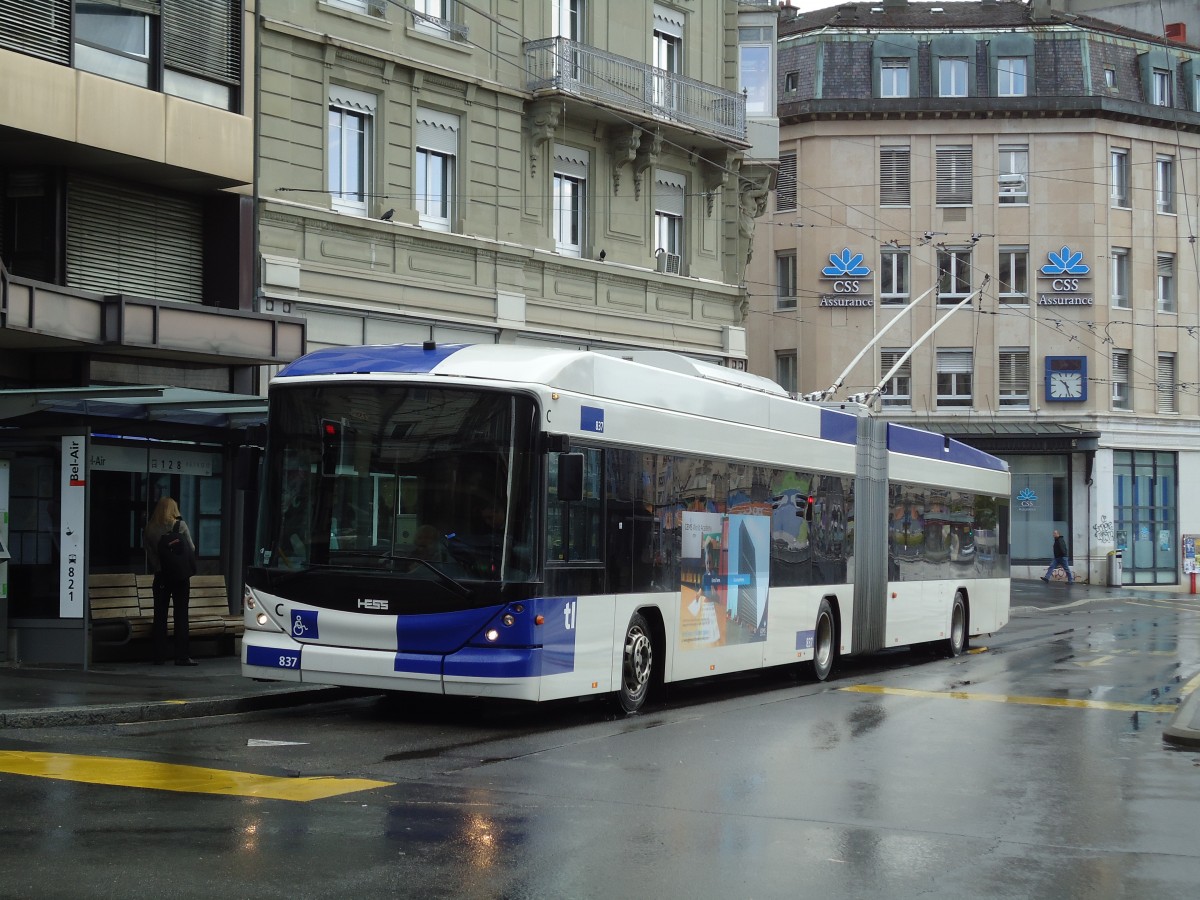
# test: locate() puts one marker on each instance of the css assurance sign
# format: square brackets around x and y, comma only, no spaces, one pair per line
[1063,274]
[848,273]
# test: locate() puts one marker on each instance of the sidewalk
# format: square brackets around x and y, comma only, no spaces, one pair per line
[107,693]
[42,696]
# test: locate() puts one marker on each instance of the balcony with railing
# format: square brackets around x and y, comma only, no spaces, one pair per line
[559,64]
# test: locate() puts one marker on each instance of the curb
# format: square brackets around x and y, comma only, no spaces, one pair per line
[1185,735]
[162,710]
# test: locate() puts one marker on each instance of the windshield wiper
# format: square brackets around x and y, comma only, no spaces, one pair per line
[461,589]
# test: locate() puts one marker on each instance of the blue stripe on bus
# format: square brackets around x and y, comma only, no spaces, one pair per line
[838,426]
[495,662]
[442,632]
[917,442]
[557,633]
[272,657]
[404,358]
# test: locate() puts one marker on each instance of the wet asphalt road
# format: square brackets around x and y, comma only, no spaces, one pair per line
[904,777]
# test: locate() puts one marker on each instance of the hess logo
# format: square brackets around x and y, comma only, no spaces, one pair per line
[368,603]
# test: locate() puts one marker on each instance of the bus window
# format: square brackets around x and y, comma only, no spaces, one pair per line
[573,529]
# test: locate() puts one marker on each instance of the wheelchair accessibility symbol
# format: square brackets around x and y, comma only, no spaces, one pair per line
[304,624]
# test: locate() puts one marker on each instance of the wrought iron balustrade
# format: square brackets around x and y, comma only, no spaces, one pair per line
[586,72]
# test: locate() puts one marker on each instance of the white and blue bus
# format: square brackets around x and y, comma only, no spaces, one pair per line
[537,524]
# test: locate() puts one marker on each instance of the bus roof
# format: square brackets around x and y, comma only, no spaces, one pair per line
[614,376]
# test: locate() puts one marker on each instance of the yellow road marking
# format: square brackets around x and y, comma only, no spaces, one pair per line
[1008,698]
[1098,661]
[139,773]
[1190,686]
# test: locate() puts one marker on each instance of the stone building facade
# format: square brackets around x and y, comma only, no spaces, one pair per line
[1025,180]
[582,173]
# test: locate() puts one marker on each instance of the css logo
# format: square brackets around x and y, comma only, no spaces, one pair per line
[845,287]
[1065,284]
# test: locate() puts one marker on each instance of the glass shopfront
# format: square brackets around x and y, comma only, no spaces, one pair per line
[1145,515]
[1040,504]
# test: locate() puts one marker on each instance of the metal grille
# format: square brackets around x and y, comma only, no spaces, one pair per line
[38,28]
[785,188]
[122,241]
[953,175]
[583,71]
[895,176]
[1165,393]
[204,37]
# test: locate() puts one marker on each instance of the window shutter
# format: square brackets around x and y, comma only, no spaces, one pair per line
[1166,383]
[1120,366]
[953,176]
[785,187]
[571,161]
[954,361]
[437,131]
[204,37]
[669,189]
[348,98]
[888,358]
[668,21]
[122,241]
[1166,264]
[895,176]
[1014,372]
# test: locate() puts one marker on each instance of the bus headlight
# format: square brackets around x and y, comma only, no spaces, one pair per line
[492,634]
[261,618]
[508,619]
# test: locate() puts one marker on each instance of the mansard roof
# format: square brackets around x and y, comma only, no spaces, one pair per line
[883,15]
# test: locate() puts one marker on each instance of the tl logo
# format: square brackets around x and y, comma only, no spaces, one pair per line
[1065,262]
[1027,499]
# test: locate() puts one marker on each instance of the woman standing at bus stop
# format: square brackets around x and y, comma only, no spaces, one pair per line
[172,577]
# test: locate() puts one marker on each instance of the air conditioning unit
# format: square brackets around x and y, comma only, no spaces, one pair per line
[668,263]
[1012,184]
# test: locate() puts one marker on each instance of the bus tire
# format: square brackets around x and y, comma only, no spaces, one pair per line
[637,665]
[824,642]
[956,643]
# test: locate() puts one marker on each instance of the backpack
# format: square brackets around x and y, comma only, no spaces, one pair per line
[175,555]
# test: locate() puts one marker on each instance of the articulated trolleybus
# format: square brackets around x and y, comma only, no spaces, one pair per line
[504,521]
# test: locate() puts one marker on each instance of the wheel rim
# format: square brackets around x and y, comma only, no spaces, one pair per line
[958,625]
[823,652]
[638,661]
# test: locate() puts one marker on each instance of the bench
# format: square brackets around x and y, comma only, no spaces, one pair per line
[113,600]
[123,609]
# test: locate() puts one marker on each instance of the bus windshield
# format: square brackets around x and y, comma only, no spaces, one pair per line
[425,482]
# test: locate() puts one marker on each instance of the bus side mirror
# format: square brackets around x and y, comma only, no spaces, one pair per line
[246,466]
[570,477]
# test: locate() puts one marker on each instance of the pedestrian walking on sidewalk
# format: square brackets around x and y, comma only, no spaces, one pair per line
[1060,559]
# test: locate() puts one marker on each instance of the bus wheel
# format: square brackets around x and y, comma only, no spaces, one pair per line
[824,642]
[957,641]
[637,665]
